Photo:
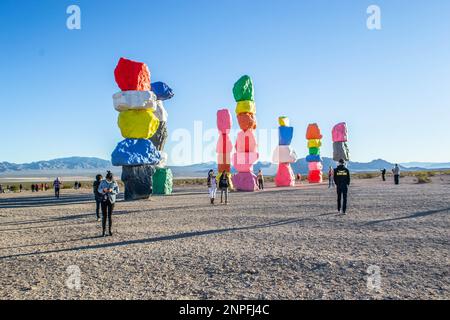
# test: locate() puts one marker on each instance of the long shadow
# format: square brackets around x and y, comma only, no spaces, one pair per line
[47,201]
[57,219]
[164,238]
[413,216]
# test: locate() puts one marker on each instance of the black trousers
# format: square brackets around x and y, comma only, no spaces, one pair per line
[397,179]
[57,193]
[98,204]
[261,184]
[384,177]
[107,210]
[342,198]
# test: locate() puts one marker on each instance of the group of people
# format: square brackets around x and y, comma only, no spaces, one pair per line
[37,187]
[395,172]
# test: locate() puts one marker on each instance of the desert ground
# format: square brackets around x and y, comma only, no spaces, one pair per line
[276,244]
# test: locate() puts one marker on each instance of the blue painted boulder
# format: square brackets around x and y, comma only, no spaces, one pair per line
[134,152]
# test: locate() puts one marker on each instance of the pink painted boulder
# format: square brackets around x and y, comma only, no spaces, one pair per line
[285,176]
[224,121]
[243,161]
[246,141]
[224,144]
[314,166]
[340,133]
[245,181]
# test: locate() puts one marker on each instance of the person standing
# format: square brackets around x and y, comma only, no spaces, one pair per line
[383,174]
[212,186]
[97,195]
[57,186]
[330,177]
[20,187]
[108,188]
[260,180]
[32,187]
[224,185]
[342,181]
[396,172]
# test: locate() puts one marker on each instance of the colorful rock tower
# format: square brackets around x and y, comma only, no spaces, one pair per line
[340,138]
[246,147]
[314,160]
[142,122]
[224,144]
[284,155]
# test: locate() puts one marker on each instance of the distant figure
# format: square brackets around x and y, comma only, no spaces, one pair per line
[212,186]
[42,187]
[20,187]
[97,195]
[108,188]
[342,180]
[75,186]
[330,177]
[57,186]
[260,180]
[396,172]
[1,188]
[46,186]
[299,177]
[383,174]
[224,185]
[32,187]
[36,187]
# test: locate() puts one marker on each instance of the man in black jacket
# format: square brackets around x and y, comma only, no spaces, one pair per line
[342,181]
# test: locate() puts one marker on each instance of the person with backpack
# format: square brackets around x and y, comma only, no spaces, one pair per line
[212,186]
[342,181]
[97,195]
[109,189]
[260,180]
[224,185]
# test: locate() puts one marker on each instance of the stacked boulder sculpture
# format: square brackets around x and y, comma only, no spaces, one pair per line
[246,147]
[315,167]
[284,155]
[224,144]
[340,138]
[142,122]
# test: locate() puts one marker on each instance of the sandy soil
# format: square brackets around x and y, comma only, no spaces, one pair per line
[277,244]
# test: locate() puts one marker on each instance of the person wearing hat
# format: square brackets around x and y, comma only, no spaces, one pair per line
[108,188]
[342,181]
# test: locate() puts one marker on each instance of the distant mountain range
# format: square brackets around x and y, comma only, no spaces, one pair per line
[83,166]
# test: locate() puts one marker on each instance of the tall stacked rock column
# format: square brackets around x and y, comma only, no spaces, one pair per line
[138,108]
[314,160]
[284,155]
[340,138]
[246,147]
[224,144]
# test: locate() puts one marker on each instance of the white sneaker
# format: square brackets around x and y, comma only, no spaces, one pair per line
[344,213]
[339,211]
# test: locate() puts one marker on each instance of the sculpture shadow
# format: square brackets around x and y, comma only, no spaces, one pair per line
[412,216]
[163,238]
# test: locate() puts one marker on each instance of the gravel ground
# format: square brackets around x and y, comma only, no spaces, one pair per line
[276,244]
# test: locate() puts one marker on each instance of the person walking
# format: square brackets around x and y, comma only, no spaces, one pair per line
[383,174]
[212,186]
[97,195]
[396,172]
[342,181]
[260,180]
[224,185]
[109,189]
[330,177]
[57,186]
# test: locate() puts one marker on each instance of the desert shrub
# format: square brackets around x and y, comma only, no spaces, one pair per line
[422,178]
[367,175]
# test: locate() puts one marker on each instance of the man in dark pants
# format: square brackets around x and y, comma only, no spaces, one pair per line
[396,172]
[342,181]
[383,174]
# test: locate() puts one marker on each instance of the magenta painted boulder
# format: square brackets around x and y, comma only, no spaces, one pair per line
[340,133]
[315,166]
[224,121]
[224,144]
[285,176]
[243,161]
[246,141]
[245,181]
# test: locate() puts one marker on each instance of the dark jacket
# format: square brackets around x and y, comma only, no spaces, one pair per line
[98,195]
[341,176]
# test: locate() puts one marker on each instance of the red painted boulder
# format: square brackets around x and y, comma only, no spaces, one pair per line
[132,75]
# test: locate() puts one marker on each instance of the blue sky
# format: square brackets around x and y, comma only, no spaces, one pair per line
[314,61]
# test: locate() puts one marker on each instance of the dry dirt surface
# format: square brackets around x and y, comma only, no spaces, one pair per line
[276,244]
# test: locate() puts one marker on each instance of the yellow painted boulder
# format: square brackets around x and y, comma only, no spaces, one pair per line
[138,124]
[283,121]
[245,107]
[314,143]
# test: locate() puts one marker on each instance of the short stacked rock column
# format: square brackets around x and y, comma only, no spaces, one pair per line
[314,160]
[340,138]
[136,104]
[246,147]
[284,155]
